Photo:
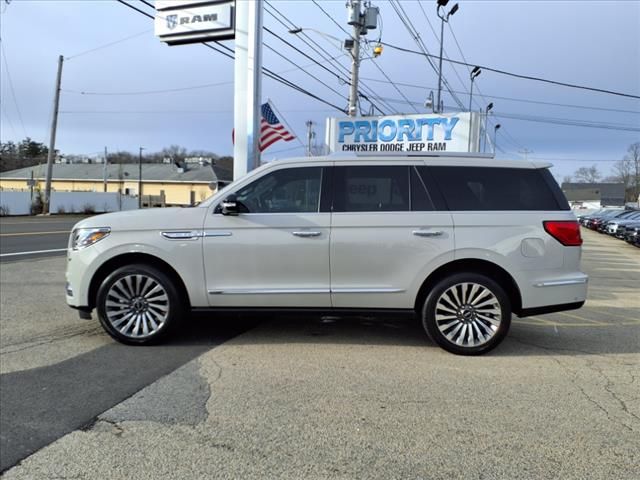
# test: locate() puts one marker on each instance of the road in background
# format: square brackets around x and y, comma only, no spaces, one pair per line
[25,235]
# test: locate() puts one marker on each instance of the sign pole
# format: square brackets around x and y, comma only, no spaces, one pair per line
[248,87]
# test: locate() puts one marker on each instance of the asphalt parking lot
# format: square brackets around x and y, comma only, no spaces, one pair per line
[313,398]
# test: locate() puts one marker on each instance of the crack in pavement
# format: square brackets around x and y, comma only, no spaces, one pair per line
[573,377]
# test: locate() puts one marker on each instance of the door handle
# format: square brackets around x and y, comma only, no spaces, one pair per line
[428,233]
[306,234]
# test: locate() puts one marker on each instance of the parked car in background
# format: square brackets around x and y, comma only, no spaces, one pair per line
[630,233]
[594,222]
[612,226]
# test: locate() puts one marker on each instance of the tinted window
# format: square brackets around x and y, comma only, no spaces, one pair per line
[289,190]
[484,188]
[371,189]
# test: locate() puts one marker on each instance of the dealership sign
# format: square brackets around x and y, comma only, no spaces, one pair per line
[179,22]
[433,134]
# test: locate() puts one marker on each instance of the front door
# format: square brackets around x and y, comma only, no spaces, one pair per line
[275,252]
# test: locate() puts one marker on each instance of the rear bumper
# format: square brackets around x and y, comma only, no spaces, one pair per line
[554,293]
[527,312]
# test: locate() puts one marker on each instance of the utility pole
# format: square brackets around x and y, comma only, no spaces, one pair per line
[140,178]
[52,138]
[355,20]
[104,169]
[362,22]
[526,152]
[310,136]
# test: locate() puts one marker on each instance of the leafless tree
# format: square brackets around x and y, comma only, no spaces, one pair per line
[587,174]
[633,160]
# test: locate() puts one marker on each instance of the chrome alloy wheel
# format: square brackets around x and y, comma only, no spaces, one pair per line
[468,314]
[137,306]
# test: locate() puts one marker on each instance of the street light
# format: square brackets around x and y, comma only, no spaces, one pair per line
[486,117]
[474,73]
[495,136]
[140,178]
[444,18]
[295,31]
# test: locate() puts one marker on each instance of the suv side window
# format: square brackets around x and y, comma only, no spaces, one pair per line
[489,188]
[371,189]
[289,190]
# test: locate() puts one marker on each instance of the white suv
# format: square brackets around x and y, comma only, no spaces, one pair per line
[462,243]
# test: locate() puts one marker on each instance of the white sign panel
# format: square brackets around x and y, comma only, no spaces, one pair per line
[180,22]
[431,134]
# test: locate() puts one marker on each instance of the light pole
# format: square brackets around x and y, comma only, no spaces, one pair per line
[140,178]
[474,73]
[486,118]
[495,137]
[444,18]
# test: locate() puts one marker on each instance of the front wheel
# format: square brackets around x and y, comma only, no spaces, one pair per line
[138,304]
[467,314]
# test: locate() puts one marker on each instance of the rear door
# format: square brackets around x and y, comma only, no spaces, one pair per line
[386,235]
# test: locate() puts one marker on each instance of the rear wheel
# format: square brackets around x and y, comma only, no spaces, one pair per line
[138,304]
[467,314]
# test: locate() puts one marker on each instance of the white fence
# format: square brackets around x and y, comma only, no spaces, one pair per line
[19,203]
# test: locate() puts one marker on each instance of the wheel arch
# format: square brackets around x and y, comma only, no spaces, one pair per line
[472,265]
[132,258]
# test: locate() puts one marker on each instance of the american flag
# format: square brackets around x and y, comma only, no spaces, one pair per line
[271,129]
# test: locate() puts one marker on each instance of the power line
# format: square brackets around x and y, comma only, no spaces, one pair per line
[107,45]
[229,54]
[516,75]
[406,20]
[433,30]
[171,90]
[8,120]
[13,93]
[325,68]
[512,99]
[274,50]
[320,51]
[568,122]
[151,92]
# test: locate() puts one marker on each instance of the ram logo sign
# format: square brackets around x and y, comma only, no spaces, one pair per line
[432,134]
[194,21]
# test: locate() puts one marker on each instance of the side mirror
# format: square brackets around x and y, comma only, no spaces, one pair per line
[230,206]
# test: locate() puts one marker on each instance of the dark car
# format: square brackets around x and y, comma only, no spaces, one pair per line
[611,226]
[587,220]
[595,223]
[631,234]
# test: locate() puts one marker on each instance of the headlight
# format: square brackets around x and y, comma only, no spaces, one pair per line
[83,237]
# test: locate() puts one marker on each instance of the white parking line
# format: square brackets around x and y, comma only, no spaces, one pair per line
[33,253]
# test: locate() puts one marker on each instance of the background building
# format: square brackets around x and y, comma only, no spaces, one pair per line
[180,183]
[607,194]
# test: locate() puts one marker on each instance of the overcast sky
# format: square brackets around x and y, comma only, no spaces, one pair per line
[589,43]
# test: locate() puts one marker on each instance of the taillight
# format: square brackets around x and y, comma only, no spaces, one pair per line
[567,232]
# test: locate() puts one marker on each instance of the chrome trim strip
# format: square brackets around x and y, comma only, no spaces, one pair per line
[268,291]
[276,291]
[216,234]
[367,290]
[182,235]
[556,283]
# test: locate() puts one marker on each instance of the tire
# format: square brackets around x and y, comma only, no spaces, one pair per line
[139,305]
[467,314]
